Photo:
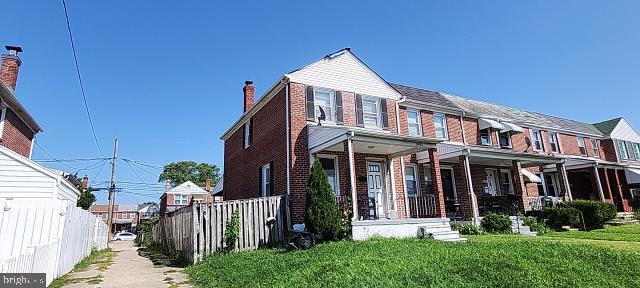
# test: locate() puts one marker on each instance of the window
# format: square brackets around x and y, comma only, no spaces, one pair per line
[537,140]
[595,147]
[411,179]
[506,184]
[324,99]
[551,181]
[330,166]
[248,133]
[265,174]
[427,180]
[636,150]
[3,113]
[553,142]
[413,121]
[583,149]
[370,111]
[485,137]
[622,150]
[540,185]
[440,122]
[505,139]
[180,199]
[132,215]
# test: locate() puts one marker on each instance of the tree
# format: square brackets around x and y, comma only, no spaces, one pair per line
[322,214]
[198,173]
[86,196]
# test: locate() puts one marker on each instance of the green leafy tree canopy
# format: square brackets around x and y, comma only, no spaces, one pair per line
[182,171]
[86,198]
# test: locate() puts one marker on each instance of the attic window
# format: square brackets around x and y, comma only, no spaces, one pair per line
[485,137]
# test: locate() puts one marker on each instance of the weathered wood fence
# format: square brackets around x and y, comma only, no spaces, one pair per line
[198,230]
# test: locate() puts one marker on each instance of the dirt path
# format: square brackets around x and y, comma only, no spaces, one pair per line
[128,269]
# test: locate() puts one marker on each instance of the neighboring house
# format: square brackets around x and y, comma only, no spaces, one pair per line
[217,192]
[148,212]
[182,195]
[394,152]
[125,216]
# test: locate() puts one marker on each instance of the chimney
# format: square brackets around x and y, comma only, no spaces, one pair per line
[167,185]
[207,185]
[10,65]
[248,92]
[85,182]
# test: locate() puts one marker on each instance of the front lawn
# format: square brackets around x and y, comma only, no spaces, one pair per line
[484,261]
[630,233]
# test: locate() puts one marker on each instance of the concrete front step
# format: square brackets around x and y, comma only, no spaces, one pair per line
[518,227]
[446,235]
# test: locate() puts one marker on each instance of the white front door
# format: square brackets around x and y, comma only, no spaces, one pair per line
[376,189]
[490,183]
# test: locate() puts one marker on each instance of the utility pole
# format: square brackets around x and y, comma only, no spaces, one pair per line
[112,187]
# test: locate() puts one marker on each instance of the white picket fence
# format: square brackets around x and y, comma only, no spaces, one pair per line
[47,237]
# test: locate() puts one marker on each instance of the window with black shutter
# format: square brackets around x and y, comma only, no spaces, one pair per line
[359,111]
[247,131]
[310,104]
[384,114]
[339,112]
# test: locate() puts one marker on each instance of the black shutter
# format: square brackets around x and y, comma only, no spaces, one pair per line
[244,128]
[260,181]
[250,130]
[311,113]
[384,114]
[359,115]
[271,183]
[339,113]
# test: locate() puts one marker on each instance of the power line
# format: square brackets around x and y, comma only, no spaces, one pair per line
[136,173]
[99,170]
[54,158]
[70,160]
[75,59]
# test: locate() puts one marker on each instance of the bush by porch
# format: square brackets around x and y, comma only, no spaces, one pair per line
[485,261]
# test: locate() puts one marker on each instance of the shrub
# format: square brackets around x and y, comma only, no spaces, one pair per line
[595,213]
[636,214]
[536,226]
[322,215]
[466,229]
[557,217]
[496,223]
[232,230]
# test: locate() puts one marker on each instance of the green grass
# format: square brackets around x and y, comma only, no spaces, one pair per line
[101,258]
[629,233]
[484,261]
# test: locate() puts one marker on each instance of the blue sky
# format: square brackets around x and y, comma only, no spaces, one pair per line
[167,78]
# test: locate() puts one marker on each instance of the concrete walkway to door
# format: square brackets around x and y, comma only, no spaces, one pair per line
[130,270]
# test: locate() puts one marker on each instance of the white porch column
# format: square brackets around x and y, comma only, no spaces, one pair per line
[599,184]
[474,200]
[352,177]
[394,205]
[562,170]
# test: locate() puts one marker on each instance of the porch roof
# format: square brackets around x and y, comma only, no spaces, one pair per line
[576,162]
[490,156]
[331,138]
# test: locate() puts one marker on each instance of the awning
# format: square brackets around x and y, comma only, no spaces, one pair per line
[488,123]
[530,177]
[511,127]
[633,175]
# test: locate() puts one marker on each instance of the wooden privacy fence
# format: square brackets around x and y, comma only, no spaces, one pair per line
[198,230]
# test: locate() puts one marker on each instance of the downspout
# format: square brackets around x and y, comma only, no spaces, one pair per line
[352,176]
[288,132]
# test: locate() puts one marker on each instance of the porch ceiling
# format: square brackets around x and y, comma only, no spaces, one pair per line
[490,156]
[331,138]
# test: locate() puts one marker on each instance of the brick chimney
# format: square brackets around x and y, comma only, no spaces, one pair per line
[10,66]
[85,182]
[207,185]
[248,92]
[167,185]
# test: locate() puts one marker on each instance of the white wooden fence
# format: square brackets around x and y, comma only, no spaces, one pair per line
[198,230]
[47,237]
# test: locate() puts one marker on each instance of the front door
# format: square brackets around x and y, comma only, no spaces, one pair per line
[450,197]
[375,189]
[490,183]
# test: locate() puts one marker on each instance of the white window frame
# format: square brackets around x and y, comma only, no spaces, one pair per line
[178,199]
[488,135]
[329,117]
[3,114]
[444,125]
[580,139]
[554,140]
[377,113]
[247,133]
[418,120]
[636,150]
[624,156]
[538,132]
[265,173]
[416,175]
[595,147]
[508,133]
[336,168]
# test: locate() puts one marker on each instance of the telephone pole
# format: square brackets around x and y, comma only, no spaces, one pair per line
[112,187]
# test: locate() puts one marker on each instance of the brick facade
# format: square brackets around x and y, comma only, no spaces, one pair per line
[16,135]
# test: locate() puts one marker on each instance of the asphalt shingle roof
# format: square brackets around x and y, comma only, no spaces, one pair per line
[606,127]
[424,95]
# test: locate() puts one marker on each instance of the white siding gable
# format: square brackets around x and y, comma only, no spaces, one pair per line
[624,131]
[187,188]
[344,72]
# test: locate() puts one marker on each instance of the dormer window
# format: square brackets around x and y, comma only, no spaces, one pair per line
[485,137]
[505,139]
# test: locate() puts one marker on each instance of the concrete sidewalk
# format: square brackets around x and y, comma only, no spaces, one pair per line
[130,270]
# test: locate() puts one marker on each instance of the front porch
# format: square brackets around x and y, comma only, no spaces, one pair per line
[366,171]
